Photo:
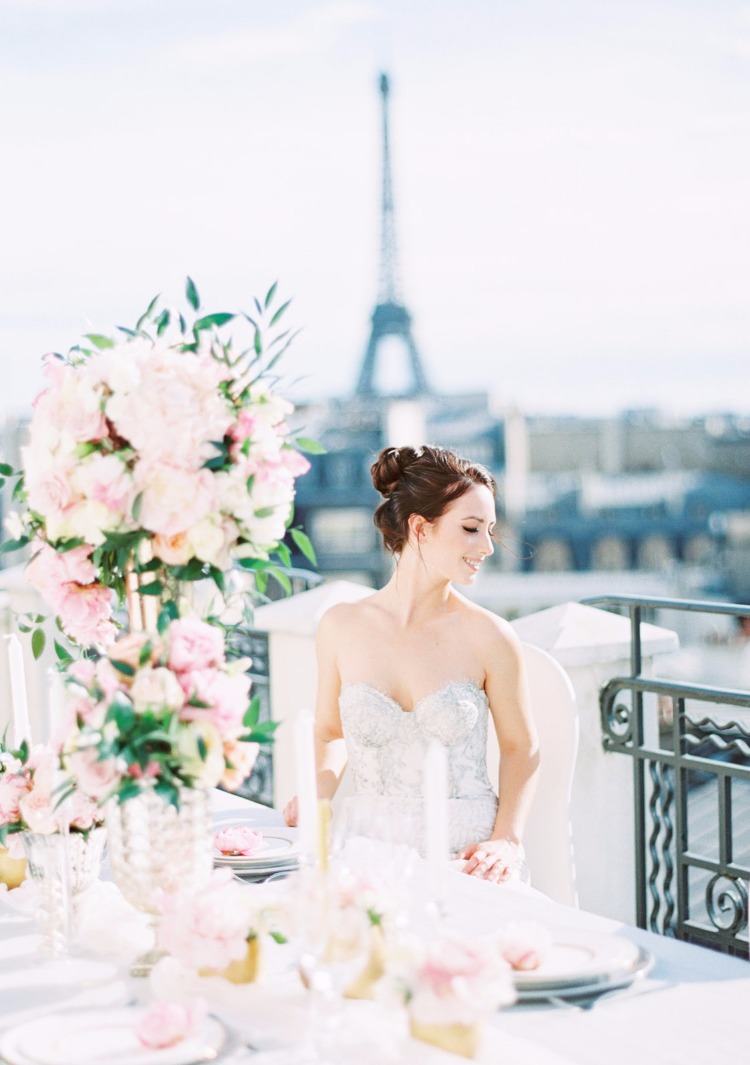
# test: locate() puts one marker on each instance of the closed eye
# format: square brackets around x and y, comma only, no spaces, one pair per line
[466,529]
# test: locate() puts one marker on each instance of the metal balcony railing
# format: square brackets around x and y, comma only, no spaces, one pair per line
[691,786]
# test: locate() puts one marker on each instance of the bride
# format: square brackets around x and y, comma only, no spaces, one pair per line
[417,661]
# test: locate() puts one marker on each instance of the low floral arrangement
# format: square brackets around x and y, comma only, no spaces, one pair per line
[450,986]
[157,456]
[35,798]
[211,930]
[164,710]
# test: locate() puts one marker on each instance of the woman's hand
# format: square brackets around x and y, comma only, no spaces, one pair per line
[492,859]
[291,813]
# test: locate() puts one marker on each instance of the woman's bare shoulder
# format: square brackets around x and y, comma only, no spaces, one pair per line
[490,631]
[342,616]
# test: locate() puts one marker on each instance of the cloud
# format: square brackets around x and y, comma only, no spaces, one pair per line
[316,30]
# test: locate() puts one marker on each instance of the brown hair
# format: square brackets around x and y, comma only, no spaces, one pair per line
[422,480]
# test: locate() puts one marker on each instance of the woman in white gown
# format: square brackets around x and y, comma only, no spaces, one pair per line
[417,661]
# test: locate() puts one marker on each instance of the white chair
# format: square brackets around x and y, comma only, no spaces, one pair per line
[548,839]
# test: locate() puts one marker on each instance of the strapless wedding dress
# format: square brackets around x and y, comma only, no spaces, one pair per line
[386,745]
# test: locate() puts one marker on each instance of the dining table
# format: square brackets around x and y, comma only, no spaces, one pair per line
[682,1008]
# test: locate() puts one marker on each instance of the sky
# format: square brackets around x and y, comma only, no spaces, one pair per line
[572,186]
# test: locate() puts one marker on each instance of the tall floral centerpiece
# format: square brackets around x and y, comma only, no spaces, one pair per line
[157,457]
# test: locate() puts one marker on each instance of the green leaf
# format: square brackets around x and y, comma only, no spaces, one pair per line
[251,714]
[38,642]
[162,322]
[136,508]
[257,342]
[279,313]
[270,294]
[128,332]
[148,312]
[155,588]
[168,613]
[100,341]
[123,667]
[302,540]
[284,554]
[192,294]
[6,470]
[264,512]
[63,655]
[311,447]
[14,545]
[211,320]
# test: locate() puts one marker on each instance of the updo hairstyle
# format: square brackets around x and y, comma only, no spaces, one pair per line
[422,480]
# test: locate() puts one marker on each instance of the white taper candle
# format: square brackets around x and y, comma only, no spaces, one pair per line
[21,726]
[307,792]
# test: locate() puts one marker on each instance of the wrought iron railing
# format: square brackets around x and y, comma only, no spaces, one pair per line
[691,786]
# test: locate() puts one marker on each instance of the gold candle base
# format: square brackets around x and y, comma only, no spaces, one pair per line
[12,870]
[461,1039]
[243,971]
[363,986]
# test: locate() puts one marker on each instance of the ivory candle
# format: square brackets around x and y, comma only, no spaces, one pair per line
[435,788]
[307,792]
[21,726]
[56,706]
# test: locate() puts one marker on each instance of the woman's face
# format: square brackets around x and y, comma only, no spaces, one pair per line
[459,541]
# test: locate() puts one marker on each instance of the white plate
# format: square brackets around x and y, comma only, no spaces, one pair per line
[590,988]
[103,1037]
[280,847]
[577,957]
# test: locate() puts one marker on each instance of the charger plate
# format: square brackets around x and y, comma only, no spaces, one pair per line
[279,850]
[101,1037]
[578,960]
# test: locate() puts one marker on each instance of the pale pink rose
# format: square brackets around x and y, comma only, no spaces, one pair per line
[206,929]
[54,370]
[85,612]
[238,839]
[174,550]
[75,406]
[49,488]
[83,670]
[14,846]
[109,679]
[295,463]
[76,565]
[13,787]
[94,778]
[226,697]
[83,813]
[207,542]
[241,757]
[156,689]
[194,645]
[173,499]
[164,1024]
[45,573]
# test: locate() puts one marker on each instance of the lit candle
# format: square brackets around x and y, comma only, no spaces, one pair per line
[21,726]
[307,793]
[435,787]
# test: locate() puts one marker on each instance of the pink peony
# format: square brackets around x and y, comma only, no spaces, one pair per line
[194,645]
[13,787]
[207,929]
[524,945]
[238,839]
[173,498]
[156,690]
[85,612]
[165,1024]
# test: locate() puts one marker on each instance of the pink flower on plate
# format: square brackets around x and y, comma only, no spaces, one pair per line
[164,1024]
[524,945]
[238,839]
[194,644]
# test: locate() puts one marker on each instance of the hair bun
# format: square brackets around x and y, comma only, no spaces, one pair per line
[389,467]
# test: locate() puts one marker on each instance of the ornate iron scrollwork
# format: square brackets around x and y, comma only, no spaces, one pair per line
[728,902]
[617,722]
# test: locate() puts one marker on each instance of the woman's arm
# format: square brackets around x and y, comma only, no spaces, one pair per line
[507,692]
[330,753]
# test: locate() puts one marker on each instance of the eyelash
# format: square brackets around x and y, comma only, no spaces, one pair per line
[470,530]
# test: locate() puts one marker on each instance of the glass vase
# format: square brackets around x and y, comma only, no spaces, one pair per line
[62,865]
[154,846]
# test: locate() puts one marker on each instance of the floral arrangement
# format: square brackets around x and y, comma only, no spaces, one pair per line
[453,981]
[32,799]
[161,709]
[157,456]
[209,929]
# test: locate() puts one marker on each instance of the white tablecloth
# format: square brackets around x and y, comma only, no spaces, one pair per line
[688,1010]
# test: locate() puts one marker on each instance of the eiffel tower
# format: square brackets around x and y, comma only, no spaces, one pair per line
[390,317]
